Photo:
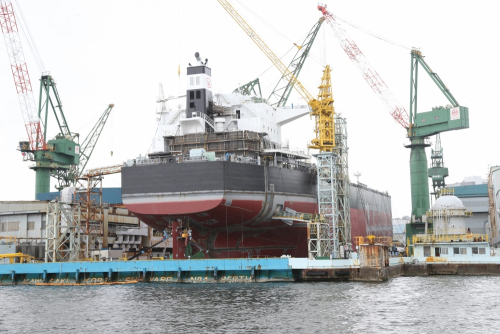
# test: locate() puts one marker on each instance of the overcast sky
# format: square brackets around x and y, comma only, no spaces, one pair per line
[103,52]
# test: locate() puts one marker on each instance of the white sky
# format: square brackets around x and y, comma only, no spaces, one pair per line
[103,52]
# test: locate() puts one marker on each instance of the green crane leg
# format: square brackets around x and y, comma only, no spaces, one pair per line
[419,178]
[42,183]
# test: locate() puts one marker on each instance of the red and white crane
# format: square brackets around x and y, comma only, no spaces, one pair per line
[10,30]
[371,76]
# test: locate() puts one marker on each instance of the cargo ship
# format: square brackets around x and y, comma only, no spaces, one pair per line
[219,172]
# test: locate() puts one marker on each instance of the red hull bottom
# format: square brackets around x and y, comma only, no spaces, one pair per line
[241,228]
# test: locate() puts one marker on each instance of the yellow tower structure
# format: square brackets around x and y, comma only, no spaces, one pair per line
[324,115]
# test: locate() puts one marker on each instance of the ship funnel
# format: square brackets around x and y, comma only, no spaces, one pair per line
[197,55]
[199,90]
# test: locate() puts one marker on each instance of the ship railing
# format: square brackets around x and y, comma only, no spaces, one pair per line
[290,150]
[206,118]
[296,106]
[171,133]
[456,230]
[175,116]
[433,238]
[282,163]
[179,132]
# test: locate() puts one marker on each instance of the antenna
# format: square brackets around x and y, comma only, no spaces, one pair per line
[357,175]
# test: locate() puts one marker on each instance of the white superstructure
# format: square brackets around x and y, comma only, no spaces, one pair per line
[231,112]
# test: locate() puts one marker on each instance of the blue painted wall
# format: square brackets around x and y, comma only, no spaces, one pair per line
[478,190]
[109,195]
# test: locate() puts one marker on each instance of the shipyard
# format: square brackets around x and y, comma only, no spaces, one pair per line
[242,150]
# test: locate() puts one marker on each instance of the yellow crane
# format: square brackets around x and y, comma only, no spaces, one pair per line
[322,108]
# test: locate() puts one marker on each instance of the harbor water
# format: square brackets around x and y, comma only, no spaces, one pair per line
[437,304]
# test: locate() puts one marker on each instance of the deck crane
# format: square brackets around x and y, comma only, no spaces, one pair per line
[281,92]
[62,157]
[418,126]
[328,235]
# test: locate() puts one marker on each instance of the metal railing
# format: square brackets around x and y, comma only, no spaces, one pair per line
[8,238]
[175,116]
[437,213]
[291,164]
[207,119]
[432,238]
[446,191]
[456,230]
[296,107]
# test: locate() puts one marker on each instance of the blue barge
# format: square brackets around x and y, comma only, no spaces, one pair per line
[165,271]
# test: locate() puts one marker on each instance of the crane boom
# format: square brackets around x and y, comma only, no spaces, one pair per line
[283,88]
[281,92]
[89,143]
[371,76]
[285,72]
[21,75]
[48,85]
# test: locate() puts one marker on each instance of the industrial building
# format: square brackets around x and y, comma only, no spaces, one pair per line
[473,192]
[23,227]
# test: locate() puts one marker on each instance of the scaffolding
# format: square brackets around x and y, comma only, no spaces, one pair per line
[326,238]
[243,142]
[318,239]
[62,242]
[328,234]
[89,196]
[343,213]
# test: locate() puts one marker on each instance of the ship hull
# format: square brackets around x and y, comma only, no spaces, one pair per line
[229,207]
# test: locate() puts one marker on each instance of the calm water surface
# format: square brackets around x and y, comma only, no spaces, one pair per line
[442,304]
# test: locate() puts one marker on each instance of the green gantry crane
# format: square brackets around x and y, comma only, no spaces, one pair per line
[63,157]
[419,126]
[279,95]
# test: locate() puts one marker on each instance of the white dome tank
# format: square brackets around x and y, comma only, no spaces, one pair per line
[448,215]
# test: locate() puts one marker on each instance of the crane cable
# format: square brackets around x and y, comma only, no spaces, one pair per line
[29,38]
[366,31]
[295,45]
[270,26]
